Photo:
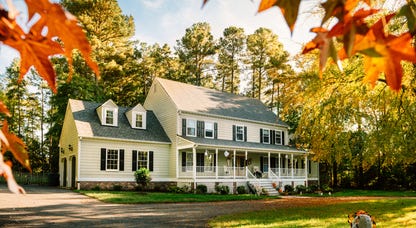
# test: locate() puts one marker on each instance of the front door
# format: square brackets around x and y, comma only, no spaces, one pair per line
[73,171]
[65,174]
[240,166]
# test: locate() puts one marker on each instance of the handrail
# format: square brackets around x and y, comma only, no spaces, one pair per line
[257,182]
[274,176]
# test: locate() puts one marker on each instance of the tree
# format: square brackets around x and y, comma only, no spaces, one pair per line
[35,47]
[194,50]
[230,54]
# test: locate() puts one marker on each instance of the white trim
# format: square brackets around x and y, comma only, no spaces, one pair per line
[109,179]
[123,140]
[281,137]
[187,126]
[115,116]
[236,133]
[134,120]
[262,136]
[205,129]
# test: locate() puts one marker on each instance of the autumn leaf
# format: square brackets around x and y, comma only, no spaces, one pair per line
[4,109]
[62,24]
[289,9]
[384,54]
[326,46]
[16,146]
[340,8]
[350,27]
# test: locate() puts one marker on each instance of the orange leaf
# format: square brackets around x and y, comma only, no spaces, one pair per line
[289,9]
[16,146]
[3,109]
[326,46]
[384,53]
[63,25]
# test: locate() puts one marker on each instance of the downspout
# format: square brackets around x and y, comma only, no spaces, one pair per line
[78,169]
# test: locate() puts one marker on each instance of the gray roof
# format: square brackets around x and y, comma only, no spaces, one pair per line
[88,124]
[202,100]
[240,145]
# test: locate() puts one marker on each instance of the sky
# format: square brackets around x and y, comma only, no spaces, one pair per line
[165,21]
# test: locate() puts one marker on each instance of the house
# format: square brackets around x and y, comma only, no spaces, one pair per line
[185,135]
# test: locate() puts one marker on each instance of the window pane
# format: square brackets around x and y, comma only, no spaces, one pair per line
[209,130]
[142,159]
[240,133]
[278,138]
[139,120]
[190,127]
[109,116]
[112,159]
[266,136]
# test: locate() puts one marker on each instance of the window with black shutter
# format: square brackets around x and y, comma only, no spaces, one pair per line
[134,160]
[103,156]
[151,161]
[121,160]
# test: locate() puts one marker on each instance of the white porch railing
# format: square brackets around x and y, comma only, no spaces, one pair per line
[240,172]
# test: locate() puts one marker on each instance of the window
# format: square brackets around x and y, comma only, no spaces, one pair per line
[139,120]
[239,133]
[266,136]
[109,117]
[142,159]
[278,138]
[209,130]
[190,127]
[189,162]
[112,160]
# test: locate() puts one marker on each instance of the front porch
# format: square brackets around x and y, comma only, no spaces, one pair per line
[238,165]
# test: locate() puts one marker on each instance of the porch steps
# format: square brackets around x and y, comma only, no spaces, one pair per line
[266,184]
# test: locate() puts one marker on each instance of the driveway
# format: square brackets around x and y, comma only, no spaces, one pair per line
[54,207]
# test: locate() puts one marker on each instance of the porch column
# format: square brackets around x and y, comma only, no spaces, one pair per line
[291,162]
[268,165]
[216,163]
[194,164]
[246,164]
[306,171]
[279,166]
[234,163]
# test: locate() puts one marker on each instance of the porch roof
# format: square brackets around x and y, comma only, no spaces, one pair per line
[229,144]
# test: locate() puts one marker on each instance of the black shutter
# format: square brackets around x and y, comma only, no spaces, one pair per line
[234,130]
[261,135]
[245,134]
[151,161]
[199,129]
[215,162]
[103,155]
[121,161]
[215,130]
[283,138]
[183,127]
[134,161]
[272,137]
[261,164]
[183,161]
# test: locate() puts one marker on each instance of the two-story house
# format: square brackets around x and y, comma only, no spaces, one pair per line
[185,135]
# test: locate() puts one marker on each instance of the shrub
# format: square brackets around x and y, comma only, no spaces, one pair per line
[176,189]
[222,189]
[117,187]
[326,188]
[312,188]
[300,188]
[241,190]
[201,189]
[142,177]
[288,188]
[96,188]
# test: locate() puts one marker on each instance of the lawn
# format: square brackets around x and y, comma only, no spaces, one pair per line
[130,197]
[387,213]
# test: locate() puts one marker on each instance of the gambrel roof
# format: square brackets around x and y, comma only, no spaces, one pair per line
[88,124]
[196,99]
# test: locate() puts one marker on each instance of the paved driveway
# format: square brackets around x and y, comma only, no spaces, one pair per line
[54,207]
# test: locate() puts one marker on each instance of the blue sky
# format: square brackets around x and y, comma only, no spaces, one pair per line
[165,21]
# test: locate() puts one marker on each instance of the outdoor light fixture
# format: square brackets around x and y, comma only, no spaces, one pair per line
[226,153]
[206,153]
[70,148]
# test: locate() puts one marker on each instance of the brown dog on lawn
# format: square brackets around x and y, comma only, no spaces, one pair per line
[361,219]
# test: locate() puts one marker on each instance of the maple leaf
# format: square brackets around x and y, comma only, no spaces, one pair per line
[62,24]
[326,46]
[3,109]
[16,146]
[340,8]
[384,53]
[6,172]
[350,27]
[289,9]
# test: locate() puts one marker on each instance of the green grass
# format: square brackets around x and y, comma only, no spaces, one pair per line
[388,213]
[127,197]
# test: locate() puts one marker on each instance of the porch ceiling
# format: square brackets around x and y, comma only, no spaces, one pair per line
[229,144]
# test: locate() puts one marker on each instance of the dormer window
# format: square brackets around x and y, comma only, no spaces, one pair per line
[108,113]
[137,117]
[109,117]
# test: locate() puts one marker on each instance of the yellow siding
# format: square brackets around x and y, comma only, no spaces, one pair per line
[165,110]
[91,156]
